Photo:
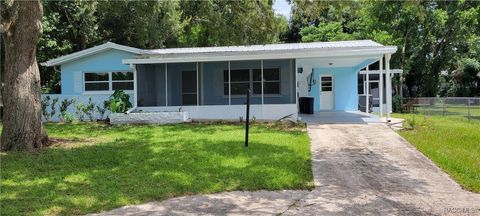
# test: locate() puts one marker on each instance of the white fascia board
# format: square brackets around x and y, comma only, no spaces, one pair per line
[392,71]
[90,51]
[236,56]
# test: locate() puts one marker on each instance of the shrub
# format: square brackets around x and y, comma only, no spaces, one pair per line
[68,118]
[102,109]
[44,103]
[63,108]
[119,102]
[397,102]
[53,105]
[79,110]
[89,109]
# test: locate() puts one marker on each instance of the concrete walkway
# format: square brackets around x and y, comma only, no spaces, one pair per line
[359,169]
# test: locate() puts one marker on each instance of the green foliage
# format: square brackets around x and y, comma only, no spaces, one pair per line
[431,35]
[64,107]
[216,23]
[79,110]
[89,110]
[99,167]
[119,102]
[45,103]
[68,26]
[397,102]
[332,31]
[101,109]
[466,79]
[53,106]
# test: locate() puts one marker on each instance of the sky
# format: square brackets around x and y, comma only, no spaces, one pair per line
[282,7]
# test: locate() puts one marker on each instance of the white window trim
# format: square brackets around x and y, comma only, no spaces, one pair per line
[110,82]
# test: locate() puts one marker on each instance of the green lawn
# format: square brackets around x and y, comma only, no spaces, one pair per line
[101,167]
[452,142]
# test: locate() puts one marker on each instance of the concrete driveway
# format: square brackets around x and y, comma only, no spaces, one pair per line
[359,169]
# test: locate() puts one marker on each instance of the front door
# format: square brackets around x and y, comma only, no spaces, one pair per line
[326,92]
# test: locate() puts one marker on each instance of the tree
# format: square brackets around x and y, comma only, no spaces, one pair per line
[21,28]
[68,26]
[223,23]
[142,24]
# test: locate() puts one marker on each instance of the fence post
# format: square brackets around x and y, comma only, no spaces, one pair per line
[468,99]
[443,107]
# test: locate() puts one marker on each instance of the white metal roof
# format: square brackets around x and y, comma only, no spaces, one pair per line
[232,53]
[359,48]
[392,71]
[266,47]
[90,51]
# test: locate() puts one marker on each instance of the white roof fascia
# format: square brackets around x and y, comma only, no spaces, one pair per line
[281,54]
[393,71]
[90,51]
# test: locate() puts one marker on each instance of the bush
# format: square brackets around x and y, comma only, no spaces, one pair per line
[119,102]
[89,109]
[102,109]
[79,111]
[53,105]
[45,102]
[63,108]
[397,102]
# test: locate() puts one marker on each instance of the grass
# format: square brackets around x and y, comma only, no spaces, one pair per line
[452,142]
[99,167]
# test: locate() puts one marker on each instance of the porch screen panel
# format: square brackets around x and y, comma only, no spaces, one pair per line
[212,81]
[189,88]
[174,82]
[279,81]
[151,85]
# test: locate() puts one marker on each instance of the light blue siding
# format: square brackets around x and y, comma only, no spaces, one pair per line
[345,88]
[96,99]
[72,72]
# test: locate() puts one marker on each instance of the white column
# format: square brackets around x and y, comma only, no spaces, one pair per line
[367,91]
[261,78]
[135,97]
[166,85]
[198,102]
[381,87]
[229,86]
[388,83]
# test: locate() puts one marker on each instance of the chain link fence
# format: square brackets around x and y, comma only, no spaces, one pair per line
[468,107]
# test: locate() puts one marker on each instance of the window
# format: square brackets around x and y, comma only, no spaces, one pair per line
[242,79]
[96,82]
[326,84]
[108,81]
[122,81]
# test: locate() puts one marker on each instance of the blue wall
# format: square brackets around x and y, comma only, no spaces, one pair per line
[72,72]
[345,88]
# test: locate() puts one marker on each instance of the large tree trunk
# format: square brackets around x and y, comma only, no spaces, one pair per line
[21,28]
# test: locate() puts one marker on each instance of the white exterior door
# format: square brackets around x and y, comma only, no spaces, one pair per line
[326,92]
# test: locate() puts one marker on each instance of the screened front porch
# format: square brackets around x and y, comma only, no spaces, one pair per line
[217,90]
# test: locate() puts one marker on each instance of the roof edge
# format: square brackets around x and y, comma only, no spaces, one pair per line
[90,51]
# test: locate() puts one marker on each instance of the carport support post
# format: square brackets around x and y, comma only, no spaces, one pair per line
[388,79]
[381,87]
[367,92]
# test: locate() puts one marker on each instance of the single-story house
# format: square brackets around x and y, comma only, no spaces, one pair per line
[210,82]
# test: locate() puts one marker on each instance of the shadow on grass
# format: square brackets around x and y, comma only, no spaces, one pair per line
[143,163]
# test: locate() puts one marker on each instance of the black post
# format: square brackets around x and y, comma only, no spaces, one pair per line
[247,118]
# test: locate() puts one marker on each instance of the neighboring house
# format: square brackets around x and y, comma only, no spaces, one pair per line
[210,82]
